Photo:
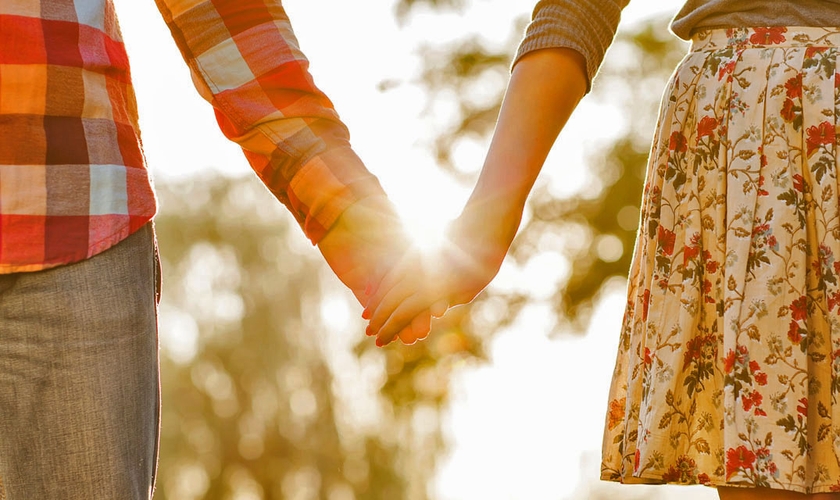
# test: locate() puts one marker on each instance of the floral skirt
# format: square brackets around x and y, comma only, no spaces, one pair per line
[728,369]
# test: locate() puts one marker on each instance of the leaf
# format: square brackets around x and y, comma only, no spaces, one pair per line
[787,423]
[822,410]
[703,446]
[789,197]
[824,432]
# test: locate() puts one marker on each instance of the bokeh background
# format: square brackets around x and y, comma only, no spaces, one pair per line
[270,388]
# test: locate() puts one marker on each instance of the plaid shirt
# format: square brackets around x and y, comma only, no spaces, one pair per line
[73,179]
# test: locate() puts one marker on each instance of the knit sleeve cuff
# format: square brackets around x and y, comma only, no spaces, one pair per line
[586,26]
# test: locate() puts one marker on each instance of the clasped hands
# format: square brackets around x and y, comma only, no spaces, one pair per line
[402,288]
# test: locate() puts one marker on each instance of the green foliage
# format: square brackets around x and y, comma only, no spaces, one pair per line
[254,404]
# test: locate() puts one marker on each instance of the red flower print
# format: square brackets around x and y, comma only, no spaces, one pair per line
[729,362]
[648,358]
[703,478]
[835,487]
[732,358]
[751,400]
[682,471]
[833,299]
[689,253]
[645,304]
[695,242]
[794,333]
[706,126]
[819,135]
[836,80]
[737,459]
[707,286]
[802,407]
[761,378]
[636,459]
[754,367]
[712,266]
[757,398]
[798,183]
[672,475]
[761,190]
[793,87]
[695,347]
[771,242]
[678,143]
[666,240]
[810,52]
[727,69]
[616,413]
[799,308]
[788,110]
[768,36]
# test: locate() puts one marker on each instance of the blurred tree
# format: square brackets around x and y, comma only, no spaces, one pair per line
[251,409]
[262,398]
[403,8]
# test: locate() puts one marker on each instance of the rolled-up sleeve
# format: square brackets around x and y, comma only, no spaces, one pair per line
[246,62]
[587,26]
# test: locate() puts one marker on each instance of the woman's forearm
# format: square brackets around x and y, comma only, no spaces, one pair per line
[545,87]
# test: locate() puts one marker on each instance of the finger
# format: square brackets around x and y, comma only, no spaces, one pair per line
[421,325]
[403,316]
[439,308]
[406,336]
[395,275]
[417,330]
[390,302]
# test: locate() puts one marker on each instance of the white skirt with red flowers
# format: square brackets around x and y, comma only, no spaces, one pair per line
[728,368]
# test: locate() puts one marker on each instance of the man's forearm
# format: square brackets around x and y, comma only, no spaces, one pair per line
[246,62]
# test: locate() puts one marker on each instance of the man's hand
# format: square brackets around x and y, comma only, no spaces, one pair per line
[423,286]
[364,243]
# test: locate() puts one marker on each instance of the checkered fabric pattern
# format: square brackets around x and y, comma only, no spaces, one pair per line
[72,175]
[246,62]
[73,180]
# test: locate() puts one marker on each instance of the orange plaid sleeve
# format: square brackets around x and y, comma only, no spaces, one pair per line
[246,62]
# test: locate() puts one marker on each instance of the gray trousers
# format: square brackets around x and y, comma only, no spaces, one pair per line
[79,377]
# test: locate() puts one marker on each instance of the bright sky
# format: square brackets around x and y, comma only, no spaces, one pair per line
[523,426]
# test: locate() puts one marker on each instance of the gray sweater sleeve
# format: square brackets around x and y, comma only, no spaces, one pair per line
[587,26]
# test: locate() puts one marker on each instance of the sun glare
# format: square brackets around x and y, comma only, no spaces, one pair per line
[427,233]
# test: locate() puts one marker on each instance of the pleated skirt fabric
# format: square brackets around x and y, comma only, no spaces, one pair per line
[728,368]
